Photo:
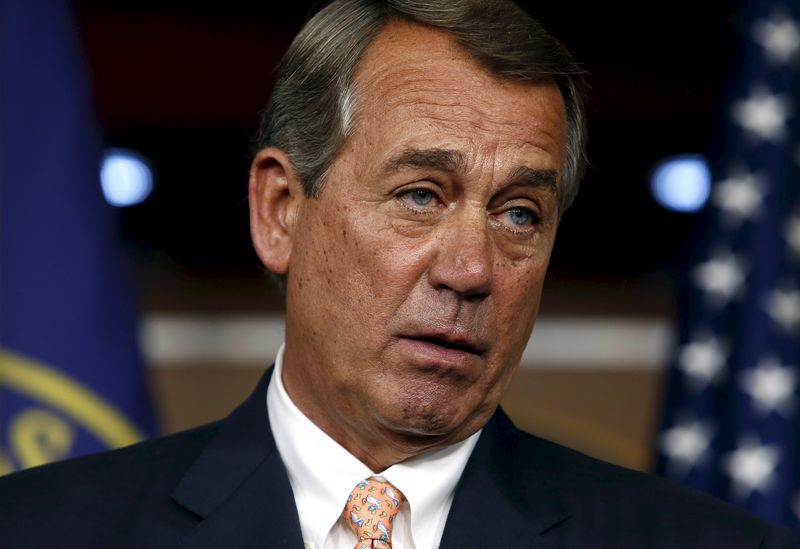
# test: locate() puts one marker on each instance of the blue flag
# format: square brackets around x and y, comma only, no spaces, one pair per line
[71,378]
[732,416]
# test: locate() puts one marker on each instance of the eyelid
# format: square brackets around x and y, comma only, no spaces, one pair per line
[519,230]
[406,190]
[521,203]
[426,184]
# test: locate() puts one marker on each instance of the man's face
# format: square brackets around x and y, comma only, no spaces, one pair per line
[414,279]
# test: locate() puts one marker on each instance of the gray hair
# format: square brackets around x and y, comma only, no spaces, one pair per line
[312,110]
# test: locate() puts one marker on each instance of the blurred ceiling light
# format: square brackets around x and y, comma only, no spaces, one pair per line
[126,177]
[682,183]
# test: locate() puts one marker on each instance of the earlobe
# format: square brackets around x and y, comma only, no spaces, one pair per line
[274,191]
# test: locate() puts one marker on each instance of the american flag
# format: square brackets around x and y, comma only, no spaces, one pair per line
[732,412]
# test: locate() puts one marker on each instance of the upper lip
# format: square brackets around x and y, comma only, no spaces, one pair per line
[452,339]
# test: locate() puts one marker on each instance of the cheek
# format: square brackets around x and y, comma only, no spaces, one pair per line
[385,262]
[356,265]
[517,295]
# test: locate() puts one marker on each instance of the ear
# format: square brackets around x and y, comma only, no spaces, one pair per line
[274,195]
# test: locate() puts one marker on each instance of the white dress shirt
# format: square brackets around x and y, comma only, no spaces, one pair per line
[322,474]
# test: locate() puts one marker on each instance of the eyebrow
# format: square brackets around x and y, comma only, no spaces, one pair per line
[446,160]
[523,176]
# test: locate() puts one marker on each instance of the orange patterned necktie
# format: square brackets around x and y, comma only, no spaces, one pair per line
[370,512]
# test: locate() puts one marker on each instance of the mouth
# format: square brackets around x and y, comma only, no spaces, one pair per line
[453,344]
[443,352]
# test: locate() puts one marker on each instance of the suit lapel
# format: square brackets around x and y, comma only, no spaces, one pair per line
[491,506]
[238,486]
[239,490]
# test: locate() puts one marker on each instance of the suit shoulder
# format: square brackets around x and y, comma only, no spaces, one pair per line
[125,474]
[650,507]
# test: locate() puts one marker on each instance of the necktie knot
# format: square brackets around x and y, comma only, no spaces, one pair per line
[370,512]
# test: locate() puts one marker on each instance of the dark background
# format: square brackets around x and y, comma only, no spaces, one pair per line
[183,83]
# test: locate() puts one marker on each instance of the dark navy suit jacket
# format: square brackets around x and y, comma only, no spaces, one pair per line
[224,486]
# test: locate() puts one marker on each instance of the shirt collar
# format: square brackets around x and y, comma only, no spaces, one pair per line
[322,473]
[428,482]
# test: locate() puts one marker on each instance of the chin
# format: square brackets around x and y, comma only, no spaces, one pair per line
[425,418]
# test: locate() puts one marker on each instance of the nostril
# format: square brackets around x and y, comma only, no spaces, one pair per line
[468,292]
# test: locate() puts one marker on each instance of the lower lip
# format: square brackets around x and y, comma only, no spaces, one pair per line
[431,354]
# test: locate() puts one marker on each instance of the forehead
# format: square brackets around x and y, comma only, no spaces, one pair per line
[416,86]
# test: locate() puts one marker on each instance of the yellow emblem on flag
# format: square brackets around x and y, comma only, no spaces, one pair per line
[38,436]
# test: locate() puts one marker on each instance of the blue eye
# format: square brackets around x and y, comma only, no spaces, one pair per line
[520,217]
[420,200]
[421,197]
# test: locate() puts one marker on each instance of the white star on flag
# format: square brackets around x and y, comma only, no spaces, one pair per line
[751,467]
[783,306]
[740,195]
[721,276]
[793,233]
[703,361]
[780,37]
[771,386]
[735,365]
[686,444]
[763,114]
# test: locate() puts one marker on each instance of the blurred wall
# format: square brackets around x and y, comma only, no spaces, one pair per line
[183,83]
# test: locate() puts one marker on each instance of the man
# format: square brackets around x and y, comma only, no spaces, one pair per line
[413,165]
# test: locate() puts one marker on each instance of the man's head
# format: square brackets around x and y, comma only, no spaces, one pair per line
[313,107]
[415,255]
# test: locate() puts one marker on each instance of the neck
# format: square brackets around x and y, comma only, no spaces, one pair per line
[377,448]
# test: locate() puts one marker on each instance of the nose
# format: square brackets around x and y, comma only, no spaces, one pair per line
[463,257]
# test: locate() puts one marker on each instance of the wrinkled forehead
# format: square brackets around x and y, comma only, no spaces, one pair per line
[416,87]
